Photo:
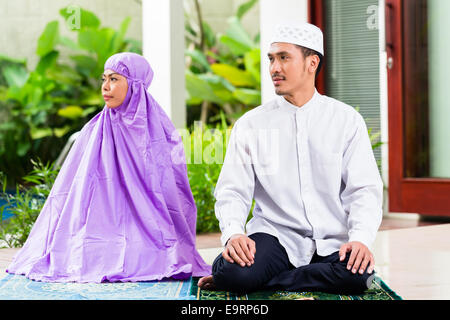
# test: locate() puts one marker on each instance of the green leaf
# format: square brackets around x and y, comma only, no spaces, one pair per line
[236,47]
[216,56]
[48,39]
[97,41]
[373,136]
[89,110]
[13,60]
[92,98]
[69,43]
[220,86]
[84,61]
[223,120]
[134,45]
[235,75]
[252,61]
[376,145]
[35,95]
[238,33]
[39,133]
[15,75]
[60,132]
[47,61]
[194,101]
[245,7]
[119,36]
[200,89]
[5,126]
[3,93]
[216,81]
[257,38]
[209,34]
[22,148]
[248,96]
[32,179]
[71,112]
[14,93]
[64,74]
[198,57]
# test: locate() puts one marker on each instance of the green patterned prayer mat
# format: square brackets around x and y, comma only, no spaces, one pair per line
[377,291]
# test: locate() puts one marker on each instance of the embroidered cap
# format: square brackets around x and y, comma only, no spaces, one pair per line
[303,34]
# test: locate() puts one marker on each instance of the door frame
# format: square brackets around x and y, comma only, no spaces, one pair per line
[429,196]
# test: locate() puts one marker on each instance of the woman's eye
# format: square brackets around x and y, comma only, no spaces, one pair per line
[114,79]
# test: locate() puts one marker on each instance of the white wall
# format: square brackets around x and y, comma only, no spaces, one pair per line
[22,21]
[216,13]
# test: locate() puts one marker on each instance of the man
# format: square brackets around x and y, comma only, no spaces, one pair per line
[317,189]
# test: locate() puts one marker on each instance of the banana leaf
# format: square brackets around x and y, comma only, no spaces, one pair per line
[234,75]
[48,39]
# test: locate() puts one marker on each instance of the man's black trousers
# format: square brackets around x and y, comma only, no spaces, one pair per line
[273,271]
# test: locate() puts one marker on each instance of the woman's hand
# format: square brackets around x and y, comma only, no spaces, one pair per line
[240,249]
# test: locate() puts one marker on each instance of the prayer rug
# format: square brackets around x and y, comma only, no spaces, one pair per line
[17,287]
[379,290]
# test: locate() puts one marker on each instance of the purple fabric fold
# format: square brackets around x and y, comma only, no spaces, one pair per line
[121,208]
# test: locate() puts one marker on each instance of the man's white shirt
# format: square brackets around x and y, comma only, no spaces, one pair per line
[312,174]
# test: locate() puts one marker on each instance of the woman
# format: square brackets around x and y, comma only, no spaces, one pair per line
[121,208]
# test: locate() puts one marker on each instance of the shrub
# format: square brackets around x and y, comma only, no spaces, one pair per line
[25,204]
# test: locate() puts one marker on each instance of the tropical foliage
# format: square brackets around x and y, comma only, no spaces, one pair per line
[223,70]
[40,108]
[23,206]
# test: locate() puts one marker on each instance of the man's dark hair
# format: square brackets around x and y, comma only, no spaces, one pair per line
[309,52]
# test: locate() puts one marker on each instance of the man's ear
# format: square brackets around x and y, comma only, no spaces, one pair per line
[314,63]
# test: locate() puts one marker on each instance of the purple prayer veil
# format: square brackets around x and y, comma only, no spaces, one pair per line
[121,208]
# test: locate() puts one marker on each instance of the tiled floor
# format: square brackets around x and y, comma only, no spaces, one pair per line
[415,262]
[411,256]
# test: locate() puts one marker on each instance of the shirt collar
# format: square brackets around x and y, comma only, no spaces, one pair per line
[286,105]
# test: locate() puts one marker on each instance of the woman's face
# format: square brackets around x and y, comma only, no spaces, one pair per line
[114,88]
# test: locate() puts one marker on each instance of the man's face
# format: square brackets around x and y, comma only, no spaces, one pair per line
[288,68]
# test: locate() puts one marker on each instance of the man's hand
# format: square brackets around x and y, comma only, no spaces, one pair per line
[359,258]
[240,249]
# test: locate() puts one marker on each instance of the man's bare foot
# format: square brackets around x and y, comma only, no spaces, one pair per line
[206,283]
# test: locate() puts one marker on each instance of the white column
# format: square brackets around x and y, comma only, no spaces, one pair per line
[163,46]
[272,13]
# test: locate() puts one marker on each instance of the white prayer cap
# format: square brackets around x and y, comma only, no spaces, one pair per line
[303,34]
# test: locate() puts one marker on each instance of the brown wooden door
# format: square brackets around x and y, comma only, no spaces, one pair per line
[418,174]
